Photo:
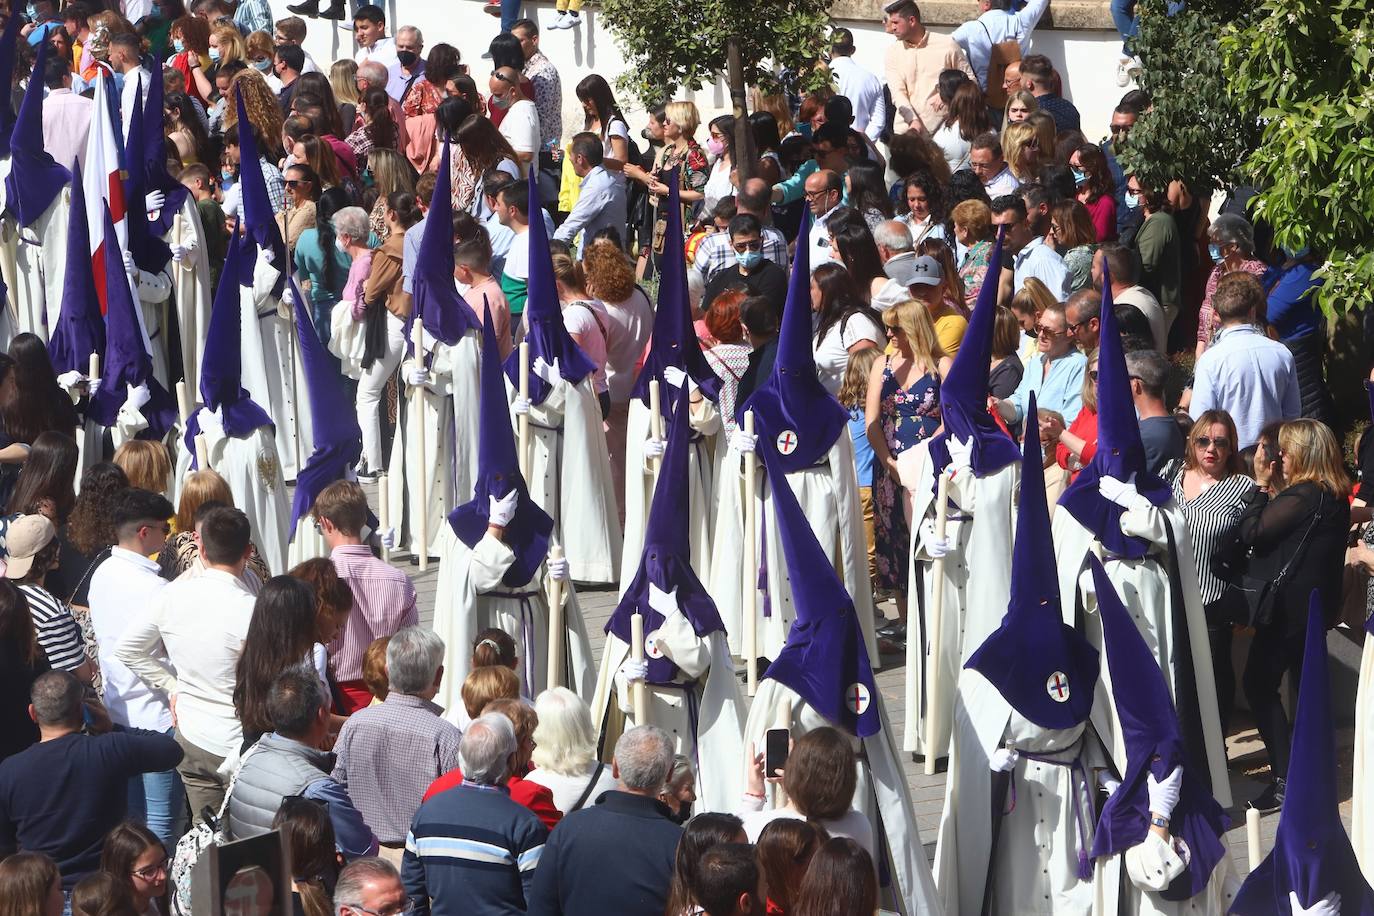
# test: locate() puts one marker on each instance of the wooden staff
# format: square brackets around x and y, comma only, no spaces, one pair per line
[749,607]
[556,635]
[419,541]
[935,624]
[1252,837]
[384,510]
[655,421]
[525,417]
[639,690]
[202,453]
[183,401]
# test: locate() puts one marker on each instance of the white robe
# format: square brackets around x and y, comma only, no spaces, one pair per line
[829,497]
[639,486]
[1214,900]
[464,383]
[153,291]
[471,597]
[973,605]
[271,372]
[37,256]
[1036,859]
[882,793]
[1144,588]
[191,289]
[308,543]
[1362,799]
[716,748]
[570,478]
[250,466]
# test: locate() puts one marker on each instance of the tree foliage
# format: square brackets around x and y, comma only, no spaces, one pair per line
[1304,70]
[1195,130]
[675,44]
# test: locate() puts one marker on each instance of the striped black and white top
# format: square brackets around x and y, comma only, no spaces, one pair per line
[57,631]
[1212,517]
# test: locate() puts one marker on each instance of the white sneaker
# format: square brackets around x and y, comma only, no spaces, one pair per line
[559,23]
[574,20]
[1127,69]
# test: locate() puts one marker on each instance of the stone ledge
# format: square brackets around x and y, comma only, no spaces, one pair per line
[1076,15]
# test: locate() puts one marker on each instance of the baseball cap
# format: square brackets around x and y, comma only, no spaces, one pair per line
[918,271]
[24,538]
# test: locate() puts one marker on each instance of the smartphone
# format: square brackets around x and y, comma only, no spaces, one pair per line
[775,751]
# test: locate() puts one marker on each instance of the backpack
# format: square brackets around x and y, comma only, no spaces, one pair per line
[209,832]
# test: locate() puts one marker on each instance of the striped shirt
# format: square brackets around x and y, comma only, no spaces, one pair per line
[383,602]
[58,632]
[1212,516]
[473,851]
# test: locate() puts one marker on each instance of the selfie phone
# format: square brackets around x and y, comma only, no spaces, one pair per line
[776,744]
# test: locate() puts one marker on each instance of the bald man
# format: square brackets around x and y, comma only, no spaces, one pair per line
[520,124]
[823,193]
[715,253]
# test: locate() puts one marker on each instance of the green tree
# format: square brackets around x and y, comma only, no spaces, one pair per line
[1195,131]
[1303,70]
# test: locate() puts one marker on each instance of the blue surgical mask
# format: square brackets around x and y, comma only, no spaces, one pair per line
[178,45]
[1132,200]
[1079,178]
[1214,251]
[263,65]
[214,54]
[749,259]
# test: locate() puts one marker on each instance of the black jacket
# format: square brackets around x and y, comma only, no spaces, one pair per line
[1304,529]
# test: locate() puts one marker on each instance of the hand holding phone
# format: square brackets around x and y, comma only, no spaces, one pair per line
[777,743]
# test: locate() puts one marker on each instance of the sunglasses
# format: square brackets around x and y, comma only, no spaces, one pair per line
[1092,374]
[296,182]
[742,247]
[1043,331]
[1210,441]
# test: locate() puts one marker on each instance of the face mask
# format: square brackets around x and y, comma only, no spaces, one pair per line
[1214,252]
[263,65]
[1079,178]
[715,147]
[749,259]
[407,58]
[214,54]
[339,244]
[500,101]
[178,45]
[226,176]
[1132,200]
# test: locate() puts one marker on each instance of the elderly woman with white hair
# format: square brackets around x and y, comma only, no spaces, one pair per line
[1231,246]
[565,759]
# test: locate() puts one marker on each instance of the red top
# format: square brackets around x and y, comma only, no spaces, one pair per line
[1084,426]
[532,795]
[1103,214]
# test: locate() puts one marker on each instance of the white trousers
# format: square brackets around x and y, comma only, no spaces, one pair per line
[370,389]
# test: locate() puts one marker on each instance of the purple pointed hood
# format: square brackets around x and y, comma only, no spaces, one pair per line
[1312,855]
[127,360]
[825,660]
[34,179]
[221,367]
[1154,744]
[442,310]
[545,332]
[9,42]
[792,405]
[674,342]
[666,561]
[150,252]
[334,419]
[498,472]
[964,391]
[1043,667]
[80,329]
[259,219]
[1119,451]
[156,176]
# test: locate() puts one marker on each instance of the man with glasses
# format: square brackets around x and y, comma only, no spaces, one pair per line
[1054,374]
[1026,216]
[1084,310]
[829,150]
[716,254]
[823,194]
[987,162]
[291,30]
[370,887]
[752,273]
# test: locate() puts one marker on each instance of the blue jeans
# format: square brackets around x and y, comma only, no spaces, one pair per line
[159,801]
[1128,24]
[510,12]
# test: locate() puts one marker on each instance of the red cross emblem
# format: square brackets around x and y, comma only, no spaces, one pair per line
[651,648]
[1058,687]
[857,698]
[787,442]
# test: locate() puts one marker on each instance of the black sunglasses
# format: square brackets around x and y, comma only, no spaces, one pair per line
[1209,441]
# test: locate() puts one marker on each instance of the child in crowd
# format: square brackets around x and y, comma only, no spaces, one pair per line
[853,390]
[197,179]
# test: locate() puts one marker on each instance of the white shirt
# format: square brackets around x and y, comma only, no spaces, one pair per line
[865,93]
[383,52]
[953,145]
[568,789]
[819,240]
[832,352]
[66,125]
[132,80]
[520,127]
[518,256]
[978,36]
[1001,184]
[121,589]
[627,334]
[1042,262]
[201,624]
[1149,306]
[852,824]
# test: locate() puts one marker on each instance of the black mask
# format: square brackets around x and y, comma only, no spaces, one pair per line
[407,58]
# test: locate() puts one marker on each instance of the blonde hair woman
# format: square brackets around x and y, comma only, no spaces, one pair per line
[565,751]
[1019,105]
[680,151]
[1021,146]
[146,464]
[776,105]
[199,490]
[226,46]
[1028,305]
[1298,537]
[902,409]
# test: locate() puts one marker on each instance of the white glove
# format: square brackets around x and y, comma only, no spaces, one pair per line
[960,453]
[935,547]
[269,255]
[653,448]
[674,376]
[388,538]
[70,379]
[1108,782]
[138,397]
[1330,905]
[544,370]
[417,377]
[521,406]
[742,442]
[92,386]
[558,569]
[503,510]
[129,266]
[1121,492]
[154,201]
[632,670]
[1164,795]
[179,252]
[288,298]
[1004,759]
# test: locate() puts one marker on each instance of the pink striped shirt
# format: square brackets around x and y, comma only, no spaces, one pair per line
[383,602]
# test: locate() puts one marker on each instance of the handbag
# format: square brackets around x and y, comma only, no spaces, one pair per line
[209,832]
[1354,610]
[1261,593]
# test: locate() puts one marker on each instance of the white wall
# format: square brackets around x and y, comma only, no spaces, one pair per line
[1087,58]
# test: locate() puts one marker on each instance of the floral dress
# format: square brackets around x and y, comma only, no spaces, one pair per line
[908,415]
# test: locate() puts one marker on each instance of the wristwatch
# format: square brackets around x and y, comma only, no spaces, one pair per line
[1161,822]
